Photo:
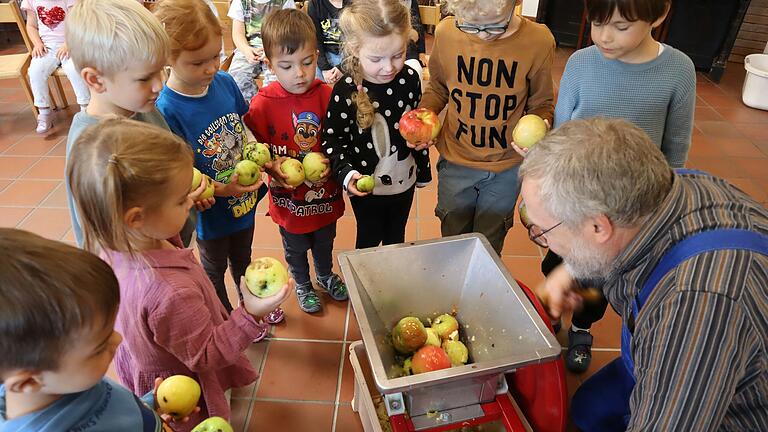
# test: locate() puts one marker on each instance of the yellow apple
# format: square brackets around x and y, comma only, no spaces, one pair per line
[197,178]
[208,192]
[294,170]
[213,424]
[248,172]
[529,130]
[265,276]
[178,396]
[314,167]
[365,184]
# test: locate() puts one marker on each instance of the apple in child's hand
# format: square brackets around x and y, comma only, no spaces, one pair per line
[529,130]
[265,277]
[314,167]
[419,126]
[444,325]
[257,152]
[177,396]
[213,424]
[208,192]
[430,358]
[457,352]
[197,178]
[294,170]
[247,172]
[365,184]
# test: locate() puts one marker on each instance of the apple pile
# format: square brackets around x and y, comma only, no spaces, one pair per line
[427,349]
[419,126]
[177,396]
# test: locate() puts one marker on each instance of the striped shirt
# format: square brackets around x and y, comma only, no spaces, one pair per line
[700,342]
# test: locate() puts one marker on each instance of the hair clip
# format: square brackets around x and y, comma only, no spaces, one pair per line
[360,87]
[113,159]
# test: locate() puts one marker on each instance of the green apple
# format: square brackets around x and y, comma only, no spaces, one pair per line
[529,130]
[432,337]
[457,352]
[197,178]
[444,325]
[208,192]
[248,172]
[294,170]
[365,184]
[178,396]
[409,335]
[265,276]
[314,167]
[257,152]
[213,424]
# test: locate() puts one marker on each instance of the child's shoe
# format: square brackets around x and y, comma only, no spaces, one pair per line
[263,330]
[335,287]
[579,353]
[44,121]
[275,317]
[309,302]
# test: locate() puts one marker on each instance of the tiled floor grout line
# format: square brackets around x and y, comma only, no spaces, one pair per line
[293,401]
[324,341]
[341,368]
[262,365]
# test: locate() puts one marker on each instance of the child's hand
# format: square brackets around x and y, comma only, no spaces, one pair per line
[327,173]
[520,150]
[254,55]
[201,204]
[257,306]
[62,53]
[413,35]
[352,186]
[422,146]
[167,417]
[278,177]
[39,51]
[233,188]
[423,59]
[332,75]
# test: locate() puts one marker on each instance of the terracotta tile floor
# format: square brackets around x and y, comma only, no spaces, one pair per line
[306,379]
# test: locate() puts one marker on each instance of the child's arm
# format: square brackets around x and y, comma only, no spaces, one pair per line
[322,61]
[436,94]
[251,54]
[416,24]
[337,136]
[38,47]
[540,92]
[679,125]
[420,155]
[567,97]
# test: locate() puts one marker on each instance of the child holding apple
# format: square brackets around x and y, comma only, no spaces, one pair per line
[488,68]
[288,114]
[360,133]
[204,106]
[626,74]
[131,182]
[57,315]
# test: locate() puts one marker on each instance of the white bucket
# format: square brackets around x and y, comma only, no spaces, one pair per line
[755,91]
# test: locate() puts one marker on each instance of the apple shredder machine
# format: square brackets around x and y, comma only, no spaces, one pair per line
[514,379]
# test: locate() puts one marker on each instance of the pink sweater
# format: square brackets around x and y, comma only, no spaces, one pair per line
[172,323]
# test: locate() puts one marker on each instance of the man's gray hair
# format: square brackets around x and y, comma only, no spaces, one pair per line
[598,166]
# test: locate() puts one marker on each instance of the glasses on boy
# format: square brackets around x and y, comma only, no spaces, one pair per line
[491,29]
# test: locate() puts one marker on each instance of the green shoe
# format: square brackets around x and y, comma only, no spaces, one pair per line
[309,302]
[335,287]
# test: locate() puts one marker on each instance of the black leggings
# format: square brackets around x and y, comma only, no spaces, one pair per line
[381,219]
[591,311]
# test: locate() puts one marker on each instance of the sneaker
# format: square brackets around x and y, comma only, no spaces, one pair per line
[335,287]
[275,317]
[309,302]
[263,330]
[579,353]
[44,122]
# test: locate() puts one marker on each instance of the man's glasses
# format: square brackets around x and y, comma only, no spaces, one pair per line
[492,29]
[535,233]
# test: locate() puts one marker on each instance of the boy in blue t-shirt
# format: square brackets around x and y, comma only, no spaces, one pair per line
[57,313]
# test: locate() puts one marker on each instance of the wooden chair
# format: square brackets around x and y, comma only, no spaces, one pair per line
[430,15]
[222,7]
[17,65]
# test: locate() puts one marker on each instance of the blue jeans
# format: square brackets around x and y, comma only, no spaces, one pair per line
[471,200]
[333,59]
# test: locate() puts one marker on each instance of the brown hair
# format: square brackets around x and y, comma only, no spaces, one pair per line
[287,30]
[189,23]
[369,18]
[50,292]
[600,11]
[598,166]
[120,164]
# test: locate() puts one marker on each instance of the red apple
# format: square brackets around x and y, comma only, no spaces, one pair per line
[419,126]
[430,358]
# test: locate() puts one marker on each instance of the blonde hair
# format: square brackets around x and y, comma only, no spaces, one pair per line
[598,166]
[119,164]
[189,23]
[476,7]
[375,18]
[107,35]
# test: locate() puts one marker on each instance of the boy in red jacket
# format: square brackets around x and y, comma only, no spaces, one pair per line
[287,115]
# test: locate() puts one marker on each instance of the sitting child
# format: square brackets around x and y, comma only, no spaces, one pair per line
[57,314]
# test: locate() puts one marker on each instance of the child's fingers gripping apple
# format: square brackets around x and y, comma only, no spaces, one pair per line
[259,307]
[352,186]
[167,418]
[278,177]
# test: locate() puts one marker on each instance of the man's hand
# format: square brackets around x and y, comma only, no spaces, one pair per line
[558,294]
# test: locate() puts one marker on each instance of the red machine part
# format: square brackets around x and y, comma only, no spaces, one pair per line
[538,389]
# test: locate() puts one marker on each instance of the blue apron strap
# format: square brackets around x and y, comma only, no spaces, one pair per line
[682,171]
[706,241]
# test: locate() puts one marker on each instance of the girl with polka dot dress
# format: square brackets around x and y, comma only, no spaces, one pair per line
[360,133]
